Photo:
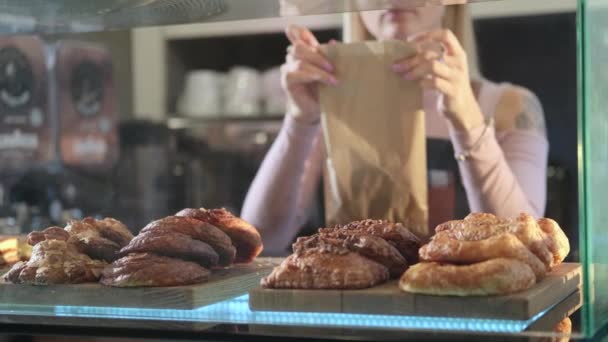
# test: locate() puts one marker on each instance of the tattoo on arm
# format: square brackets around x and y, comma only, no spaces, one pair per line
[531,117]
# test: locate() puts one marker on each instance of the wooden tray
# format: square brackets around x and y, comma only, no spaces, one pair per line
[223,284]
[388,299]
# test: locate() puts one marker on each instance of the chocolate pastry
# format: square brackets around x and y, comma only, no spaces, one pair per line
[87,238]
[197,230]
[172,244]
[329,267]
[147,269]
[51,233]
[406,242]
[55,262]
[244,236]
[369,246]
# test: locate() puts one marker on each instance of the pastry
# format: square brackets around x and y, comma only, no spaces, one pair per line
[87,238]
[147,269]
[244,236]
[55,262]
[112,230]
[51,233]
[406,242]
[555,239]
[13,250]
[329,268]
[485,255]
[480,226]
[498,276]
[99,239]
[369,246]
[197,230]
[445,249]
[172,244]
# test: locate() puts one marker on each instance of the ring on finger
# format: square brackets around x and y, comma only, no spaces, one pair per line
[442,51]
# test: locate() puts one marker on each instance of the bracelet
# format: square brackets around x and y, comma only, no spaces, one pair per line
[463,156]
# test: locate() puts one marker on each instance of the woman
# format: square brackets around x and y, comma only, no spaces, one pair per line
[496,131]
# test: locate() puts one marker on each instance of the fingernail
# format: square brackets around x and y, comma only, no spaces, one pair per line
[329,67]
[333,81]
[398,67]
[408,76]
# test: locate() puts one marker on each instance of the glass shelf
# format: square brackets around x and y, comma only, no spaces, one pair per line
[58,16]
[224,316]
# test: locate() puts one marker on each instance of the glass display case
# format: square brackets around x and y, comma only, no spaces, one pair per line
[137,109]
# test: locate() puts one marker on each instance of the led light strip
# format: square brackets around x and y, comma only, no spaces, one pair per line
[236,311]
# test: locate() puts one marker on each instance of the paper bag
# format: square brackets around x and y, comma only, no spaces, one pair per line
[374,131]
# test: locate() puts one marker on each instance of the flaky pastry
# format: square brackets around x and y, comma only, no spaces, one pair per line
[493,277]
[327,267]
[443,248]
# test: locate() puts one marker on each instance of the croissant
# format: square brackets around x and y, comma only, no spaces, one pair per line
[244,236]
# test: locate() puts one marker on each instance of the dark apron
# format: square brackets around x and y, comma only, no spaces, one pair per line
[446,196]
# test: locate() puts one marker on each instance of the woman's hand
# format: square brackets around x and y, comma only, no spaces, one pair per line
[304,68]
[446,71]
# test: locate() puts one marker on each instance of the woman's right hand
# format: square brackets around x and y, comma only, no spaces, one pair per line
[304,68]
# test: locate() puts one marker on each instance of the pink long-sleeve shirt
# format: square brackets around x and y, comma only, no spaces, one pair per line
[505,174]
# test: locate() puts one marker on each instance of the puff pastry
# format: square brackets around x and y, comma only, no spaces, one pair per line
[498,276]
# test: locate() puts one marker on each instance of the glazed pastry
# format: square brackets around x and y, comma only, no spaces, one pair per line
[445,249]
[406,242]
[87,238]
[480,226]
[55,262]
[493,277]
[146,269]
[244,236]
[484,255]
[197,230]
[112,230]
[369,246]
[329,268]
[172,244]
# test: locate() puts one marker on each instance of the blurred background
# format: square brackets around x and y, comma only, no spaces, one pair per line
[140,123]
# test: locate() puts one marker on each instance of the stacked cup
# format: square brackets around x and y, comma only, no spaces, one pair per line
[202,94]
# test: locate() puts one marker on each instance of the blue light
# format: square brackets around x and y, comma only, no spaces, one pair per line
[236,311]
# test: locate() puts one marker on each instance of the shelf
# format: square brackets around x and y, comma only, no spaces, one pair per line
[256,26]
[513,8]
[52,16]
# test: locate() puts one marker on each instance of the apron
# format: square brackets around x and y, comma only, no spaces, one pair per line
[446,194]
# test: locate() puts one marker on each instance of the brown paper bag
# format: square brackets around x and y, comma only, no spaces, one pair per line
[374,131]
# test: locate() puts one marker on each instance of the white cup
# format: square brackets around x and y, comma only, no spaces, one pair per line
[242,92]
[275,99]
[202,94]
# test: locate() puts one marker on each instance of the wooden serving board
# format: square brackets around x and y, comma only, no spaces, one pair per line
[223,284]
[388,299]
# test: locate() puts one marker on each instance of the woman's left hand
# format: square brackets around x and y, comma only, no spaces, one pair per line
[446,71]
